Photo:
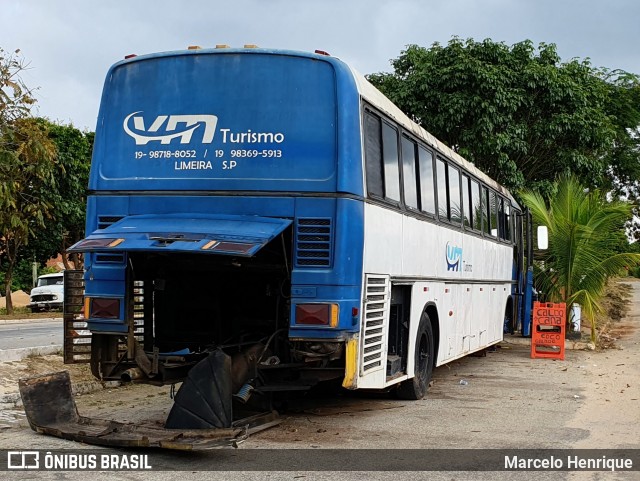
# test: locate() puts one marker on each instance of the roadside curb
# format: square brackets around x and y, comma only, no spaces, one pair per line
[7,355]
[26,321]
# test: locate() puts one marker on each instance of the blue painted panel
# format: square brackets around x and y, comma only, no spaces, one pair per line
[182,120]
[105,327]
[347,298]
[350,175]
[199,233]
[107,280]
[348,242]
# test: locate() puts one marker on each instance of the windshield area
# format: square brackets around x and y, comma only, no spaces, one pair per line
[50,281]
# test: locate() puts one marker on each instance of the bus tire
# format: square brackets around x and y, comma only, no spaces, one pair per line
[416,388]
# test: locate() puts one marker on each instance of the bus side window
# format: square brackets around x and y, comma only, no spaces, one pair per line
[391,165]
[501,227]
[485,211]
[508,220]
[466,201]
[455,211]
[427,189]
[505,219]
[493,213]
[373,154]
[476,207]
[410,180]
[442,189]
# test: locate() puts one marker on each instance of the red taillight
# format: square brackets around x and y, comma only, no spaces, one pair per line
[104,308]
[317,314]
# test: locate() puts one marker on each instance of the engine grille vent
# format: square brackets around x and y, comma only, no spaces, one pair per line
[314,238]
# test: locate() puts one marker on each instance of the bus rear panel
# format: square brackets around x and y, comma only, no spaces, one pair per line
[221,216]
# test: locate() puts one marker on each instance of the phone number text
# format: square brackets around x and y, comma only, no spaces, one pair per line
[256,153]
[167,154]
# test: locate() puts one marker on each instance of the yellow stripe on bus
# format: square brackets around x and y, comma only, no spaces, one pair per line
[350,364]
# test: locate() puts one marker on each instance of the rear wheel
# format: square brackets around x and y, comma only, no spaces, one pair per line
[416,387]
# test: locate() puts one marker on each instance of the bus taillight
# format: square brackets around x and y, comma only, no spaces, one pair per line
[317,314]
[104,308]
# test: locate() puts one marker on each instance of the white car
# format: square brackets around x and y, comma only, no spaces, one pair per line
[48,294]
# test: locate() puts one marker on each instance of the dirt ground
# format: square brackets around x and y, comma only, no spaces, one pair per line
[12,371]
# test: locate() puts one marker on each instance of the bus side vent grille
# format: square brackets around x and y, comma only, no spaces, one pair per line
[314,238]
[374,333]
[105,221]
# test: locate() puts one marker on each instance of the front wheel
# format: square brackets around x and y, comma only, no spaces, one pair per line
[416,387]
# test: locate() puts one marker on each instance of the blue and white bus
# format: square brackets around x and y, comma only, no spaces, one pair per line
[273,210]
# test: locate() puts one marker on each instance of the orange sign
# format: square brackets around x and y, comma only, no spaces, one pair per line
[548,330]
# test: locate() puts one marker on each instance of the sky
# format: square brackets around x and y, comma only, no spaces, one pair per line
[70,44]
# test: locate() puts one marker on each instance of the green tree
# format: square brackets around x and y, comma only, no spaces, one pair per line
[519,113]
[22,278]
[623,158]
[27,166]
[68,197]
[623,107]
[584,230]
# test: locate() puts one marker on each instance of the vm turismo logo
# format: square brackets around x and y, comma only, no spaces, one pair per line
[165,128]
[454,256]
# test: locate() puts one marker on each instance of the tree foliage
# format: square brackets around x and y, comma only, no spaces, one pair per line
[27,166]
[44,169]
[16,99]
[67,196]
[518,112]
[584,247]
[623,157]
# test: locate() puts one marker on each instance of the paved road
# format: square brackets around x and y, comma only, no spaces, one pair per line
[30,333]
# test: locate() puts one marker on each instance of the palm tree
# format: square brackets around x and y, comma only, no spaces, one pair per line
[583,229]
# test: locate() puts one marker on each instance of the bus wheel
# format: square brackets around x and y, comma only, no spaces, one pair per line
[416,388]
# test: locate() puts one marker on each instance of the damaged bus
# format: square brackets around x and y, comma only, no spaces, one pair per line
[261,221]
